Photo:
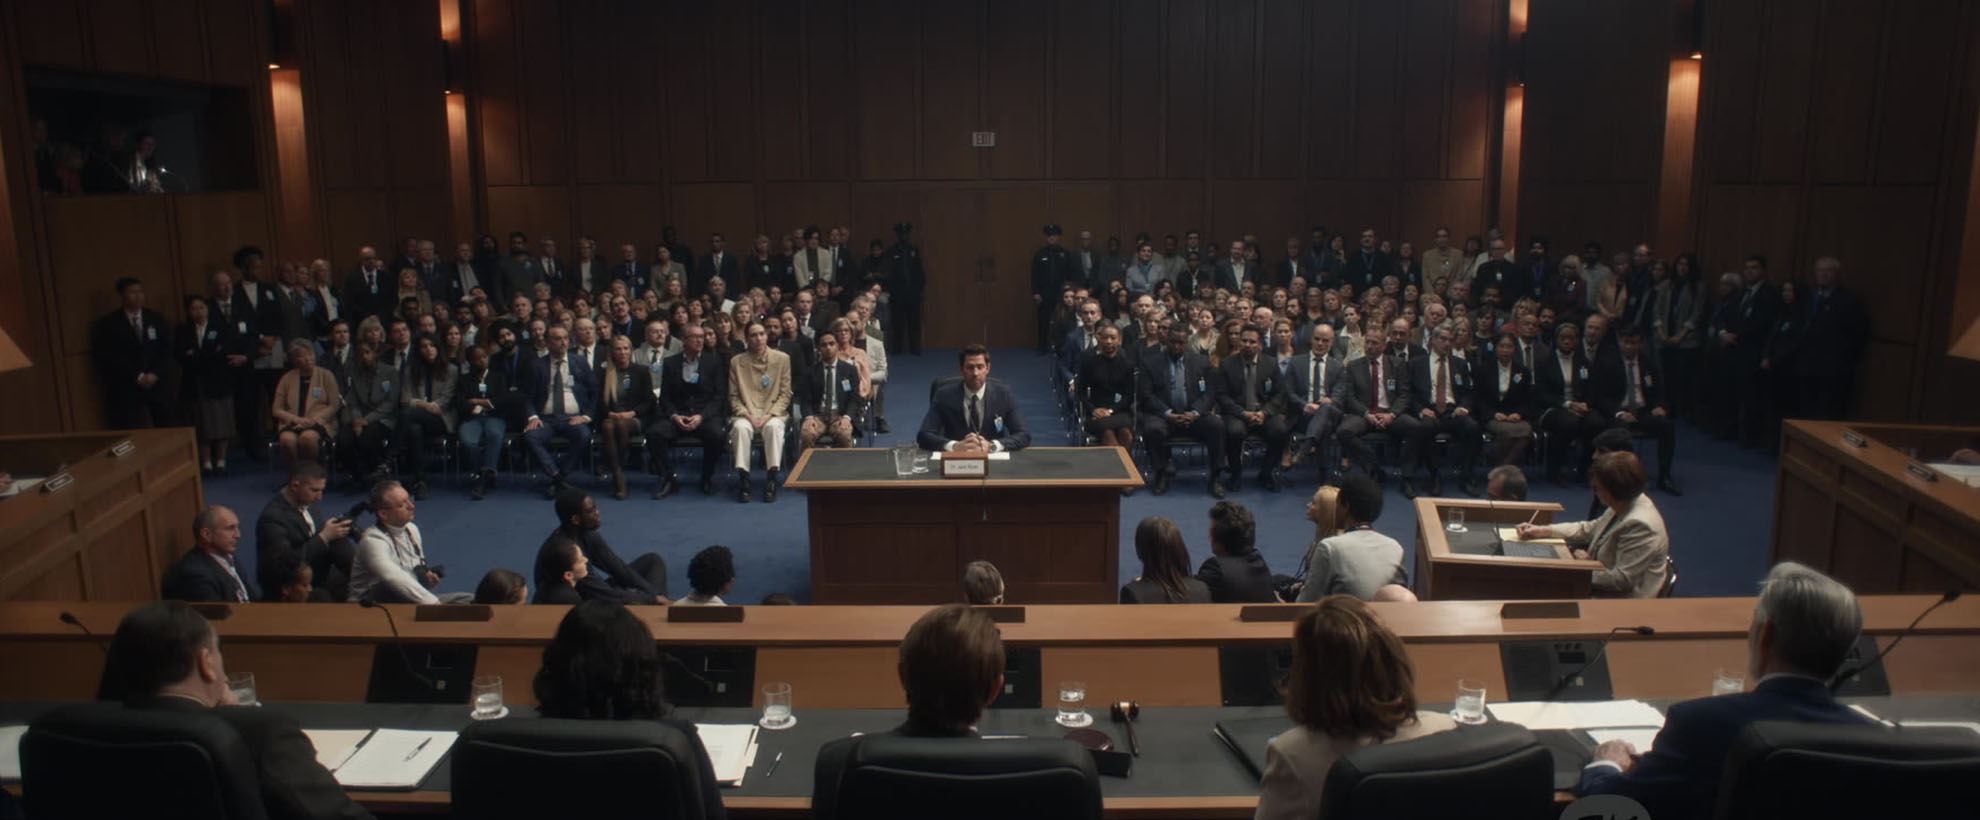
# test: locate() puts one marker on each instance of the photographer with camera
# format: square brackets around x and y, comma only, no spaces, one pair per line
[293,522]
[391,565]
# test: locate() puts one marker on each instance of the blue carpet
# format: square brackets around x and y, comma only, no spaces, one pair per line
[1719,529]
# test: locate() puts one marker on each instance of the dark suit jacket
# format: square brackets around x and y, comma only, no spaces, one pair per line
[1282,273]
[706,397]
[636,275]
[122,353]
[1200,385]
[811,387]
[618,582]
[1227,275]
[1194,285]
[705,269]
[505,394]
[1518,397]
[1231,399]
[197,577]
[1334,383]
[204,371]
[280,528]
[1425,390]
[638,397]
[1238,579]
[1833,335]
[536,386]
[293,785]
[1609,379]
[519,273]
[1678,776]
[946,420]
[1366,272]
[360,301]
[1360,397]
[1549,391]
[556,592]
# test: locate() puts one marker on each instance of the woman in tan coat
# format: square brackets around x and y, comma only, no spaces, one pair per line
[306,400]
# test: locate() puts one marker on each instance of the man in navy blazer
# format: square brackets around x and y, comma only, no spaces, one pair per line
[1803,628]
[1179,397]
[974,415]
[207,572]
[565,412]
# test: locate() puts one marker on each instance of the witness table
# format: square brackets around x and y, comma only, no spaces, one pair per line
[1462,566]
[1048,517]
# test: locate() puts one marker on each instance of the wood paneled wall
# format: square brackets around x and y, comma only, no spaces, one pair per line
[614,118]
[1592,145]
[56,278]
[1847,129]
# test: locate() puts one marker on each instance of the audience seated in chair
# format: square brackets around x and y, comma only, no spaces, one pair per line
[294,522]
[1505,483]
[1351,685]
[643,581]
[1359,561]
[208,571]
[1164,577]
[1235,572]
[1803,628]
[982,584]
[560,567]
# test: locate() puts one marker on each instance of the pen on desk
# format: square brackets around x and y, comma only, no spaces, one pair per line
[773,764]
[417,749]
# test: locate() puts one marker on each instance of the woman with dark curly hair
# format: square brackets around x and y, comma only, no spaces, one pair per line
[603,665]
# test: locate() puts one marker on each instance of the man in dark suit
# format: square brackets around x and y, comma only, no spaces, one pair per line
[1564,395]
[1367,265]
[828,394]
[1316,384]
[1051,268]
[1629,389]
[1235,570]
[1378,402]
[208,572]
[130,346]
[1179,397]
[518,270]
[1530,276]
[408,257]
[1502,399]
[906,278]
[294,523]
[1235,268]
[369,290]
[1079,340]
[1444,384]
[814,315]
[694,391]
[974,415]
[1803,628]
[1293,265]
[1252,403]
[561,393]
[1401,348]
[1755,312]
[165,656]
[455,280]
[718,262]
[1832,342]
[1496,273]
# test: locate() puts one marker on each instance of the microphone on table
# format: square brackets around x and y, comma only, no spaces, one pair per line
[71,619]
[399,644]
[1950,596]
[1562,684]
[710,685]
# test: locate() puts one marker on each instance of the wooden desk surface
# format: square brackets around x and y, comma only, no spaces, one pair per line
[1129,475]
[1430,530]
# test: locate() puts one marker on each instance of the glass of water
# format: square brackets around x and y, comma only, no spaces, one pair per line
[242,685]
[1454,519]
[777,706]
[920,461]
[904,459]
[1072,705]
[488,698]
[1470,702]
[1728,682]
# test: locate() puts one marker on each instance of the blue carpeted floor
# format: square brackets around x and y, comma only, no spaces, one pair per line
[1719,529]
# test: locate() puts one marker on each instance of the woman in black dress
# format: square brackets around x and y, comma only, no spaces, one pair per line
[208,351]
[1106,383]
[625,396]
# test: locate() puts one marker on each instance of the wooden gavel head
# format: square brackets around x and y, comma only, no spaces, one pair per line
[1125,711]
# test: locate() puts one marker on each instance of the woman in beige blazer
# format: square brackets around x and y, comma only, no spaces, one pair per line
[306,399]
[1351,686]
[1628,538]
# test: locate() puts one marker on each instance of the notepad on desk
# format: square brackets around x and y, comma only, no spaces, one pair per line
[10,751]
[1511,535]
[334,747]
[394,759]
[731,749]
[1556,714]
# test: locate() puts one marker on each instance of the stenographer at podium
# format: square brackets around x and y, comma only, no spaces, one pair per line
[974,415]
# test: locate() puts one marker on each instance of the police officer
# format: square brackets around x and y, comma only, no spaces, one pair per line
[1051,267]
[905,280]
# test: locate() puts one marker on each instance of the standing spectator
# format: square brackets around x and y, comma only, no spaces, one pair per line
[1755,310]
[130,346]
[1834,334]
[207,351]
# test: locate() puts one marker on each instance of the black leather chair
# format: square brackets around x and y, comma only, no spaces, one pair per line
[575,768]
[1817,770]
[875,777]
[1484,772]
[160,764]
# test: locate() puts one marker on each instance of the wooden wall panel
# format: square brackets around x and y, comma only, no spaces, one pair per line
[1186,119]
[1782,110]
[616,214]
[50,33]
[1269,209]
[1082,101]
[1281,81]
[1233,57]
[1015,73]
[117,36]
[951,77]
[779,120]
[833,108]
[729,207]
[178,34]
[1090,206]
[787,205]
[533,209]
[732,111]
[1138,128]
[884,72]
[85,268]
[1846,82]
[1911,125]
[236,40]
[497,100]
[354,218]
[1427,50]
[210,227]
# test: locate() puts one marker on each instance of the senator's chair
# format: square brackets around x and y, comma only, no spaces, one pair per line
[879,777]
[576,768]
[103,759]
[1496,771]
[1779,769]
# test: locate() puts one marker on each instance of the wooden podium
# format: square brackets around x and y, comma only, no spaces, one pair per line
[108,534]
[1464,568]
[1848,501]
[1048,517]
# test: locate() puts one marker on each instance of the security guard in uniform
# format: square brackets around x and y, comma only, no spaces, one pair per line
[905,280]
[1051,267]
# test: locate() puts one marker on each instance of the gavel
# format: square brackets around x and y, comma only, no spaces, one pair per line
[1125,711]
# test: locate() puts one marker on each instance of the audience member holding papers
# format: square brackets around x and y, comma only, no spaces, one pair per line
[1803,628]
[166,656]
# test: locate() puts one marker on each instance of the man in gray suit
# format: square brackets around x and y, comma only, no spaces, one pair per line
[1315,385]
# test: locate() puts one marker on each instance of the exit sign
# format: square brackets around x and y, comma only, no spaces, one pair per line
[983,139]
